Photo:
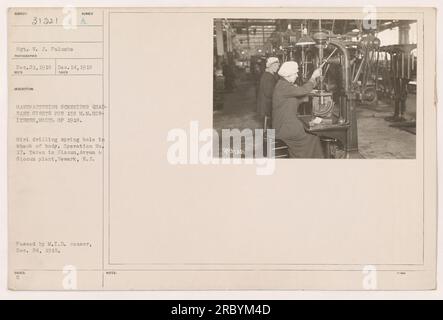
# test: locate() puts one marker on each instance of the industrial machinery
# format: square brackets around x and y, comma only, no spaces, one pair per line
[398,69]
[334,98]
[349,75]
[364,68]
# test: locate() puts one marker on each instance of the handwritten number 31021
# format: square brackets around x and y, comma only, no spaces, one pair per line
[44,20]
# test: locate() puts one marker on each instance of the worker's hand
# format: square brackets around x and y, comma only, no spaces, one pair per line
[317,73]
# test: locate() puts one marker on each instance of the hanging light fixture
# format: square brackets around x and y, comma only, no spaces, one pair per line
[305,39]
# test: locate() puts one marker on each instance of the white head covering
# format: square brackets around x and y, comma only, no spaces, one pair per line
[288,68]
[270,61]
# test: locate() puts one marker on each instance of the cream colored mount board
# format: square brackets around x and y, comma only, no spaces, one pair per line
[110,118]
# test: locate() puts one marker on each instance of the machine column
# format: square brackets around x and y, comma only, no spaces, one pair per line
[403,33]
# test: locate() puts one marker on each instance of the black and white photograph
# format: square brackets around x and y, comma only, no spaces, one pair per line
[326,88]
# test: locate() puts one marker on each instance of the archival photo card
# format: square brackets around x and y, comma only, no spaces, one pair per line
[222,148]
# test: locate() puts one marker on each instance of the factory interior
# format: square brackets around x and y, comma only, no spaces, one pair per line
[364,100]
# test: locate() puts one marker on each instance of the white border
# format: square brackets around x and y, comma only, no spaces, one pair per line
[266,295]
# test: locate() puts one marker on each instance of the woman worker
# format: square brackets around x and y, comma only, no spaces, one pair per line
[285,101]
[266,87]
